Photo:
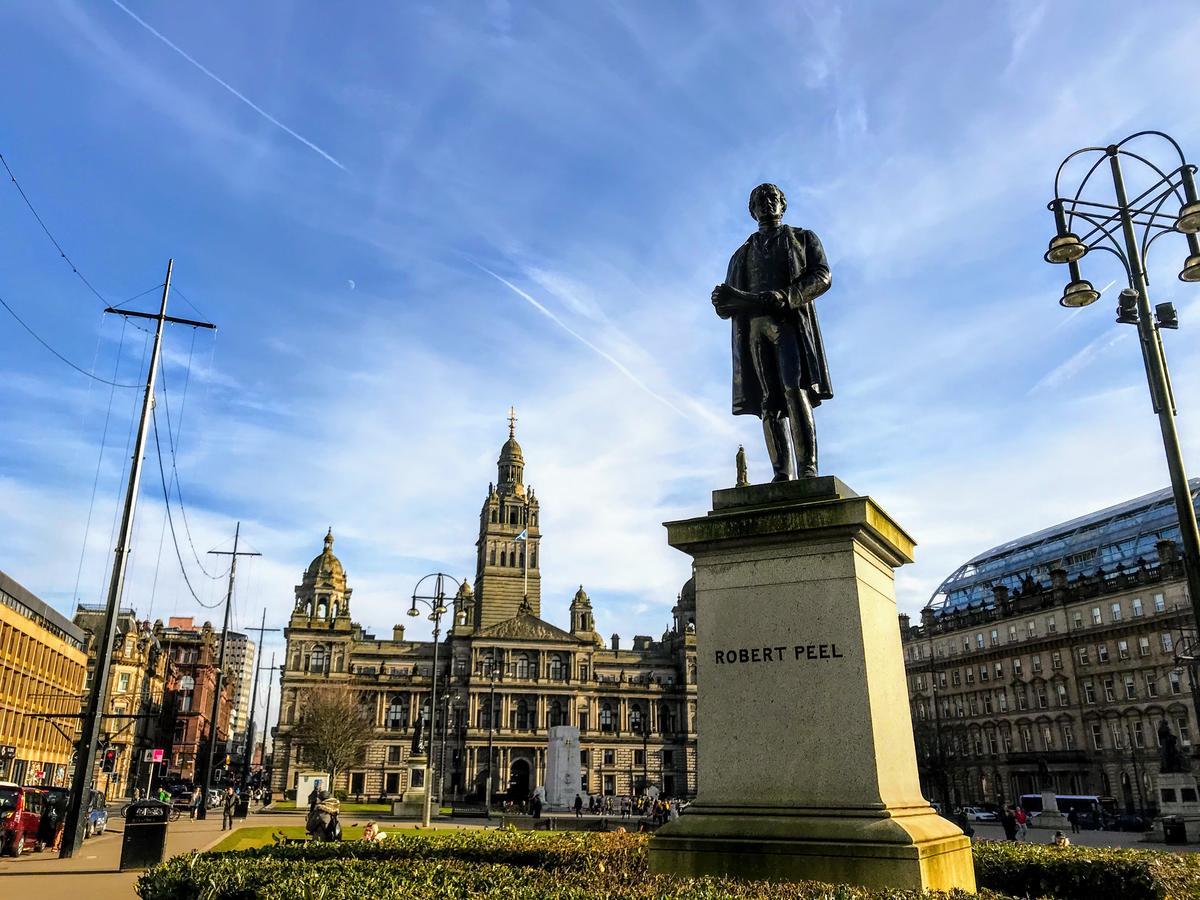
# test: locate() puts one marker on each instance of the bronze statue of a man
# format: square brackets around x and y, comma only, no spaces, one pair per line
[779,368]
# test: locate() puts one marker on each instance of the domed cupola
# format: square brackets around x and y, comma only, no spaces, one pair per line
[685,610]
[582,621]
[326,569]
[511,464]
[322,593]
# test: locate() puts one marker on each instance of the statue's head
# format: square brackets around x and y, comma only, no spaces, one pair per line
[768,201]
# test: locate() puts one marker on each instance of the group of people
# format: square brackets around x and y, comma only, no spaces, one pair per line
[1015,822]
[652,811]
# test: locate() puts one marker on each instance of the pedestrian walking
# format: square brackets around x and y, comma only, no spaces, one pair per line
[1022,818]
[197,802]
[578,807]
[1073,818]
[228,805]
[1008,821]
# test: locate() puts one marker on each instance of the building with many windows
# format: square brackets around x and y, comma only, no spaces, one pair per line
[133,709]
[505,675]
[42,671]
[1052,660]
[239,669]
[192,653]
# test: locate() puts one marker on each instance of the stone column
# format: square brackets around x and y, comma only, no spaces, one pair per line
[806,764]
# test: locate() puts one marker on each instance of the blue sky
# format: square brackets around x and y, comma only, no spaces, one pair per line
[406,217]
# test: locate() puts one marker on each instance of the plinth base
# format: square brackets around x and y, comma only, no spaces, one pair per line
[914,848]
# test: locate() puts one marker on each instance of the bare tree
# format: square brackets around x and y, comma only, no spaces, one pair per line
[334,730]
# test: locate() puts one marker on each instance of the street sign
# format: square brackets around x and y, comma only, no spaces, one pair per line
[158,755]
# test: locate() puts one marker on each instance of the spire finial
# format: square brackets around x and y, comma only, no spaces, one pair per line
[329,538]
[512,422]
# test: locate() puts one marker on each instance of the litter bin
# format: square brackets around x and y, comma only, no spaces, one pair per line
[145,840]
[243,806]
[1174,830]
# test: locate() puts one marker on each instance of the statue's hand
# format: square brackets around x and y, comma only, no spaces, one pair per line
[724,301]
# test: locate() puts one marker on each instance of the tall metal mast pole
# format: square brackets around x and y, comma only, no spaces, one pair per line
[85,756]
[248,755]
[214,717]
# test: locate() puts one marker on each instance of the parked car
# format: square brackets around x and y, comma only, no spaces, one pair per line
[978,814]
[20,818]
[97,815]
[1128,822]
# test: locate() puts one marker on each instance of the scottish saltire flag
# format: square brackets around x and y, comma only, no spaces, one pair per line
[523,536]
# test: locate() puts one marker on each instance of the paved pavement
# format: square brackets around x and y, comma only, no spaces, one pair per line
[92,873]
[1136,840]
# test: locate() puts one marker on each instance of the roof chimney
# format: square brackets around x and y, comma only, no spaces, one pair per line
[616,642]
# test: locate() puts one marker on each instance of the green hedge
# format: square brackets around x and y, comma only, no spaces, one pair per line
[523,865]
[1086,873]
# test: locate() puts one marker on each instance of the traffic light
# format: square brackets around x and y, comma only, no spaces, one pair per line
[108,762]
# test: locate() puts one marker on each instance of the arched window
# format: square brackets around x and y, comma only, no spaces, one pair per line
[512,517]
[492,555]
[493,517]
[533,559]
[557,669]
[397,713]
[635,718]
[522,716]
[521,666]
[557,715]
[318,659]
[606,718]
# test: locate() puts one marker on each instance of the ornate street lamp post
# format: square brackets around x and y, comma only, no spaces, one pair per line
[491,674]
[449,703]
[436,604]
[1168,205]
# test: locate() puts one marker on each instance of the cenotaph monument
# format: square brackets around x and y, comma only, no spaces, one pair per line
[805,760]
[412,802]
[562,767]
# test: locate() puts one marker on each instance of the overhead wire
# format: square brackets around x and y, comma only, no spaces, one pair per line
[37,337]
[87,528]
[172,441]
[46,229]
[125,460]
[162,473]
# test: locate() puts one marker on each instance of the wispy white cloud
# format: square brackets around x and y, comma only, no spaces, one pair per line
[603,354]
[227,86]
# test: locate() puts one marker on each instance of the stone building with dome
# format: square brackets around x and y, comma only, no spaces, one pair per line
[505,675]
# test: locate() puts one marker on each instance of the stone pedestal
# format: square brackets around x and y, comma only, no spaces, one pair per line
[412,802]
[806,766]
[1179,797]
[1050,816]
[562,767]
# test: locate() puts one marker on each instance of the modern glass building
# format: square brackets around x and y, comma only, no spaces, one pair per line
[1103,543]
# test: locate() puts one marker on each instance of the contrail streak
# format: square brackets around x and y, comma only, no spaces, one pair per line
[250,103]
[616,363]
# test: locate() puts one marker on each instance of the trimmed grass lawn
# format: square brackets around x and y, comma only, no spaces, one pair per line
[260,835]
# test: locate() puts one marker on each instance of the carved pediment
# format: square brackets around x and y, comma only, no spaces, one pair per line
[525,626]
